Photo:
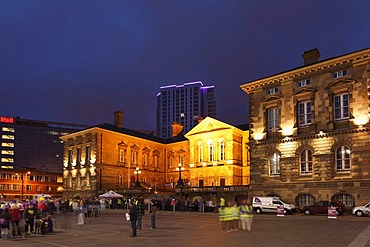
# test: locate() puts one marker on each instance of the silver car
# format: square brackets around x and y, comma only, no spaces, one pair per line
[361,210]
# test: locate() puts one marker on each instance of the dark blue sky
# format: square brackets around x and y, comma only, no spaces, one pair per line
[79,61]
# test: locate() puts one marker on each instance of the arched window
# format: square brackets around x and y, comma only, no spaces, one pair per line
[88,179]
[200,152]
[306,162]
[70,180]
[211,151]
[78,177]
[305,199]
[222,150]
[274,164]
[346,199]
[342,159]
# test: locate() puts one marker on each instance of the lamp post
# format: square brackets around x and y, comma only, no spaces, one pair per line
[180,182]
[137,172]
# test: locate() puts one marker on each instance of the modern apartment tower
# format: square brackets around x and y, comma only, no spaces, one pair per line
[184,104]
[33,144]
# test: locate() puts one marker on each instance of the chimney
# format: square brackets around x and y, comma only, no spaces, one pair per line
[311,56]
[176,129]
[118,119]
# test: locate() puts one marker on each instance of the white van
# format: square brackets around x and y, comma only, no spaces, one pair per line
[270,204]
[38,196]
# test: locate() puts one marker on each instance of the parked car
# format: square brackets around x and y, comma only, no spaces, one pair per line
[361,210]
[270,204]
[321,207]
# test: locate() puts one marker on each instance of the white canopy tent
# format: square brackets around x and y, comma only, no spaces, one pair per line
[111,194]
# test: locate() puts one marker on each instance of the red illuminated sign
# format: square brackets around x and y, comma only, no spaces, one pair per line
[6,119]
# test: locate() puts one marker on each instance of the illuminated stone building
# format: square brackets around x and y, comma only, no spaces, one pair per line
[108,156]
[309,130]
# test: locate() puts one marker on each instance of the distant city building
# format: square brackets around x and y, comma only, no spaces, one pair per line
[33,144]
[184,104]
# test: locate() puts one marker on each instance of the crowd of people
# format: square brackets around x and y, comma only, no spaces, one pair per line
[233,216]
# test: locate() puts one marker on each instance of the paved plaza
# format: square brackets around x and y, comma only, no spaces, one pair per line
[178,229]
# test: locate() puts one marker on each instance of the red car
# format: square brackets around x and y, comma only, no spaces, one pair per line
[321,207]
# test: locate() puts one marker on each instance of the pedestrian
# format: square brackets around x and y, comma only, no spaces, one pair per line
[5,218]
[14,221]
[140,213]
[30,217]
[223,218]
[246,215]
[153,211]
[235,217]
[81,213]
[133,218]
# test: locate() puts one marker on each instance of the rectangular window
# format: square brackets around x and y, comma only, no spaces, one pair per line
[8,152]
[28,187]
[341,106]
[8,129]
[122,155]
[145,159]
[7,160]
[273,119]
[7,144]
[88,155]
[303,83]
[272,91]
[171,162]
[222,182]
[7,137]
[304,113]
[39,188]
[70,153]
[340,73]
[155,161]
[79,155]
[133,157]
[201,182]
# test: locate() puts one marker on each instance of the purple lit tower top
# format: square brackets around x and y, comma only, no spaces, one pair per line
[183,104]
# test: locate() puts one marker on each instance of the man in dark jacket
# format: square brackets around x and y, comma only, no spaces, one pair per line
[133,218]
[30,215]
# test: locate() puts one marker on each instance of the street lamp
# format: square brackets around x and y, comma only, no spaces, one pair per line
[137,172]
[180,182]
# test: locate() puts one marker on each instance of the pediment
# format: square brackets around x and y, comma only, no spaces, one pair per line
[134,147]
[122,144]
[208,125]
[270,98]
[341,82]
[146,149]
[305,90]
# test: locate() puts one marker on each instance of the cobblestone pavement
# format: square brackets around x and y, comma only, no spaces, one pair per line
[180,229]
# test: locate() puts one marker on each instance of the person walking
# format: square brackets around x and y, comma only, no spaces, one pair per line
[153,211]
[140,213]
[246,215]
[81,213]
[133,218]
[5,223]
[14,221]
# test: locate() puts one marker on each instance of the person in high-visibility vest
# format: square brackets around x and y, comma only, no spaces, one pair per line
[223,218]
[246,215]
[235,217]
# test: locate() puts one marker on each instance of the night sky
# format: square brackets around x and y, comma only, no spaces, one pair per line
[79,61]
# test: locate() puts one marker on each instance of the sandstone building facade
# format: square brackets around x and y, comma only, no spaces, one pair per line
[106,157]
[309,131]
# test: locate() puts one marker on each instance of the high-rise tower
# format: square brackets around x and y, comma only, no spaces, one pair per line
[184,104]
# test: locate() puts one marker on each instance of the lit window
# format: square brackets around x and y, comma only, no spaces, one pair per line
[7,137]
[7,160]
[122,155]
[303,83]
[274,164]
[342,159]
[341,106]
[200,152]
[211,150]
[340,73]
[273,119]
[304,113]
[272,91]
[222,150]
[7,144]
[306,162]
[8,129]
[145,159]
[8,152]
[133,157]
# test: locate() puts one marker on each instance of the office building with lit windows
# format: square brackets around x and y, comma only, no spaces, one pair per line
[310,132]
[33,144]
[184,104]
